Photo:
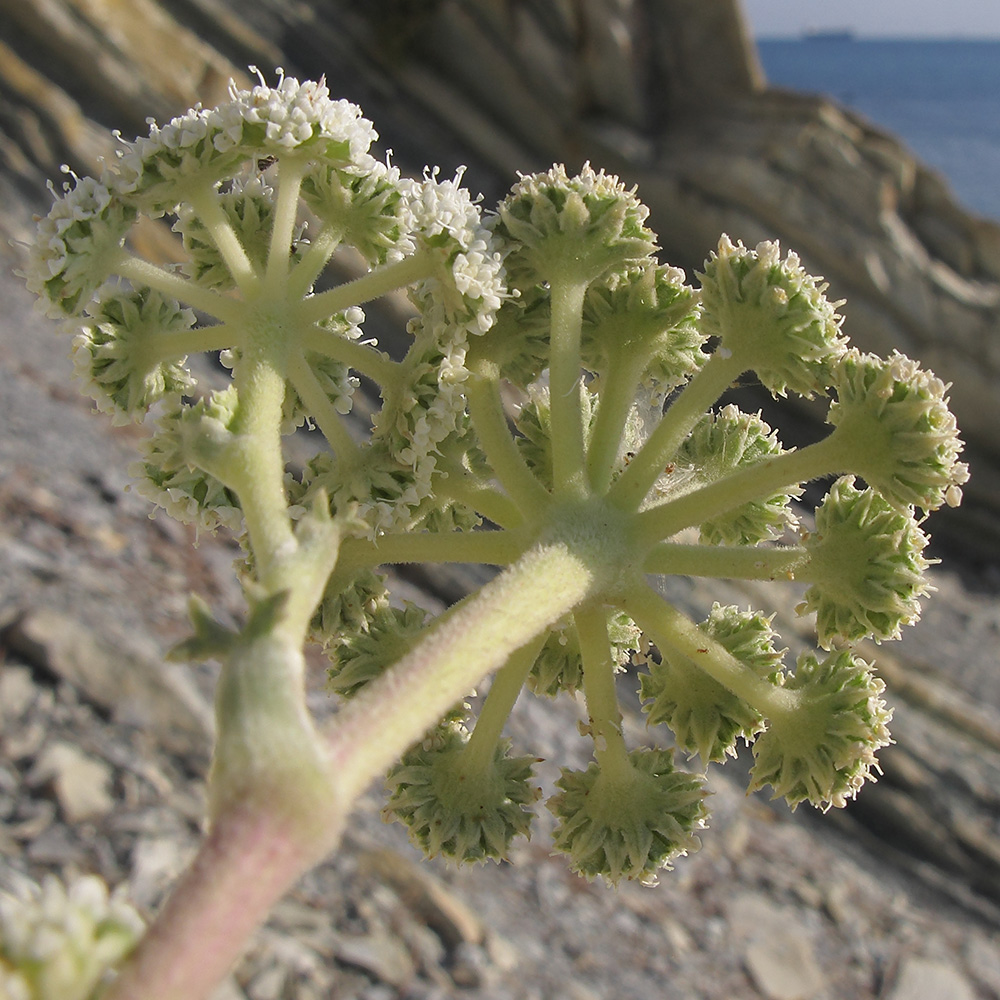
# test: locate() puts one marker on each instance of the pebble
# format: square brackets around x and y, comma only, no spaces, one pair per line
[778,950]
[137,688]
[81,784]
[928,979]
[380,953]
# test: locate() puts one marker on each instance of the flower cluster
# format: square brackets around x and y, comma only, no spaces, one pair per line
[63,942]
[705,717]
[559,404]
[822,750]
[910,439]
[457,806]
[585,226]
[866,557]
[772,316]
[628,826]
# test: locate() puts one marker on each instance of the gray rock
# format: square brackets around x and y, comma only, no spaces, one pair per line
[779,951]
[928,979]
[81,784]
[117,677]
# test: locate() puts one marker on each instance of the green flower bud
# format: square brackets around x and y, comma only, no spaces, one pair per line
[559,666]
[902,438]
[118,353]
[867,565]
[167,476]
[359,657]
[62,943]
[464,809]
[772,317]
[822,750]
[76,246]
[719,445]
[350,609]
[628,826]
[366,208]
[706,718]
[571,228]
[534,421]
[518,343]
[647,312]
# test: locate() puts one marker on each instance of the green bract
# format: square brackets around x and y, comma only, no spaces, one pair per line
[556,414]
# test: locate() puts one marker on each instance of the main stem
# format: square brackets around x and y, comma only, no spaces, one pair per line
[460,649]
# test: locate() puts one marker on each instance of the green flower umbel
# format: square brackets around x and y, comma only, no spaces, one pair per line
[822,750]
[772,316]
[706,718]
[581,227]
[459,805]
[628,826]
[896,430]
[867,565]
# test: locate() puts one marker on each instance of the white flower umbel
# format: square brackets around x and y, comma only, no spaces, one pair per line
[63,943]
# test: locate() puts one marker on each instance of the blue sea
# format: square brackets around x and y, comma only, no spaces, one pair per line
[941,97]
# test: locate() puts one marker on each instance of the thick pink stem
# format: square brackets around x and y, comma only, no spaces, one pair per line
[247,862]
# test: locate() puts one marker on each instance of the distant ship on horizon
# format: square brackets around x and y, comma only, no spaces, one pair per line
[828,35]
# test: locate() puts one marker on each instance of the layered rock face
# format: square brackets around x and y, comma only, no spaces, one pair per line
[669,95]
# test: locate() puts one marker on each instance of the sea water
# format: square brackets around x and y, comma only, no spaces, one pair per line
[942,98]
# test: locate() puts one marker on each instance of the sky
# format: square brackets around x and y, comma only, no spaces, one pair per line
[876,18]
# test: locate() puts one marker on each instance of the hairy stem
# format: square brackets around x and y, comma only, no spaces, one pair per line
[499,703]
[290,173]
[184,290]
[683,413]
[670,629]
[731,562]
[507,462]
[206,205]
[459,649]
[369,286]
[765,479]
[321,409]
[564,385]
[362,357]
[599,690]
[497,548]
